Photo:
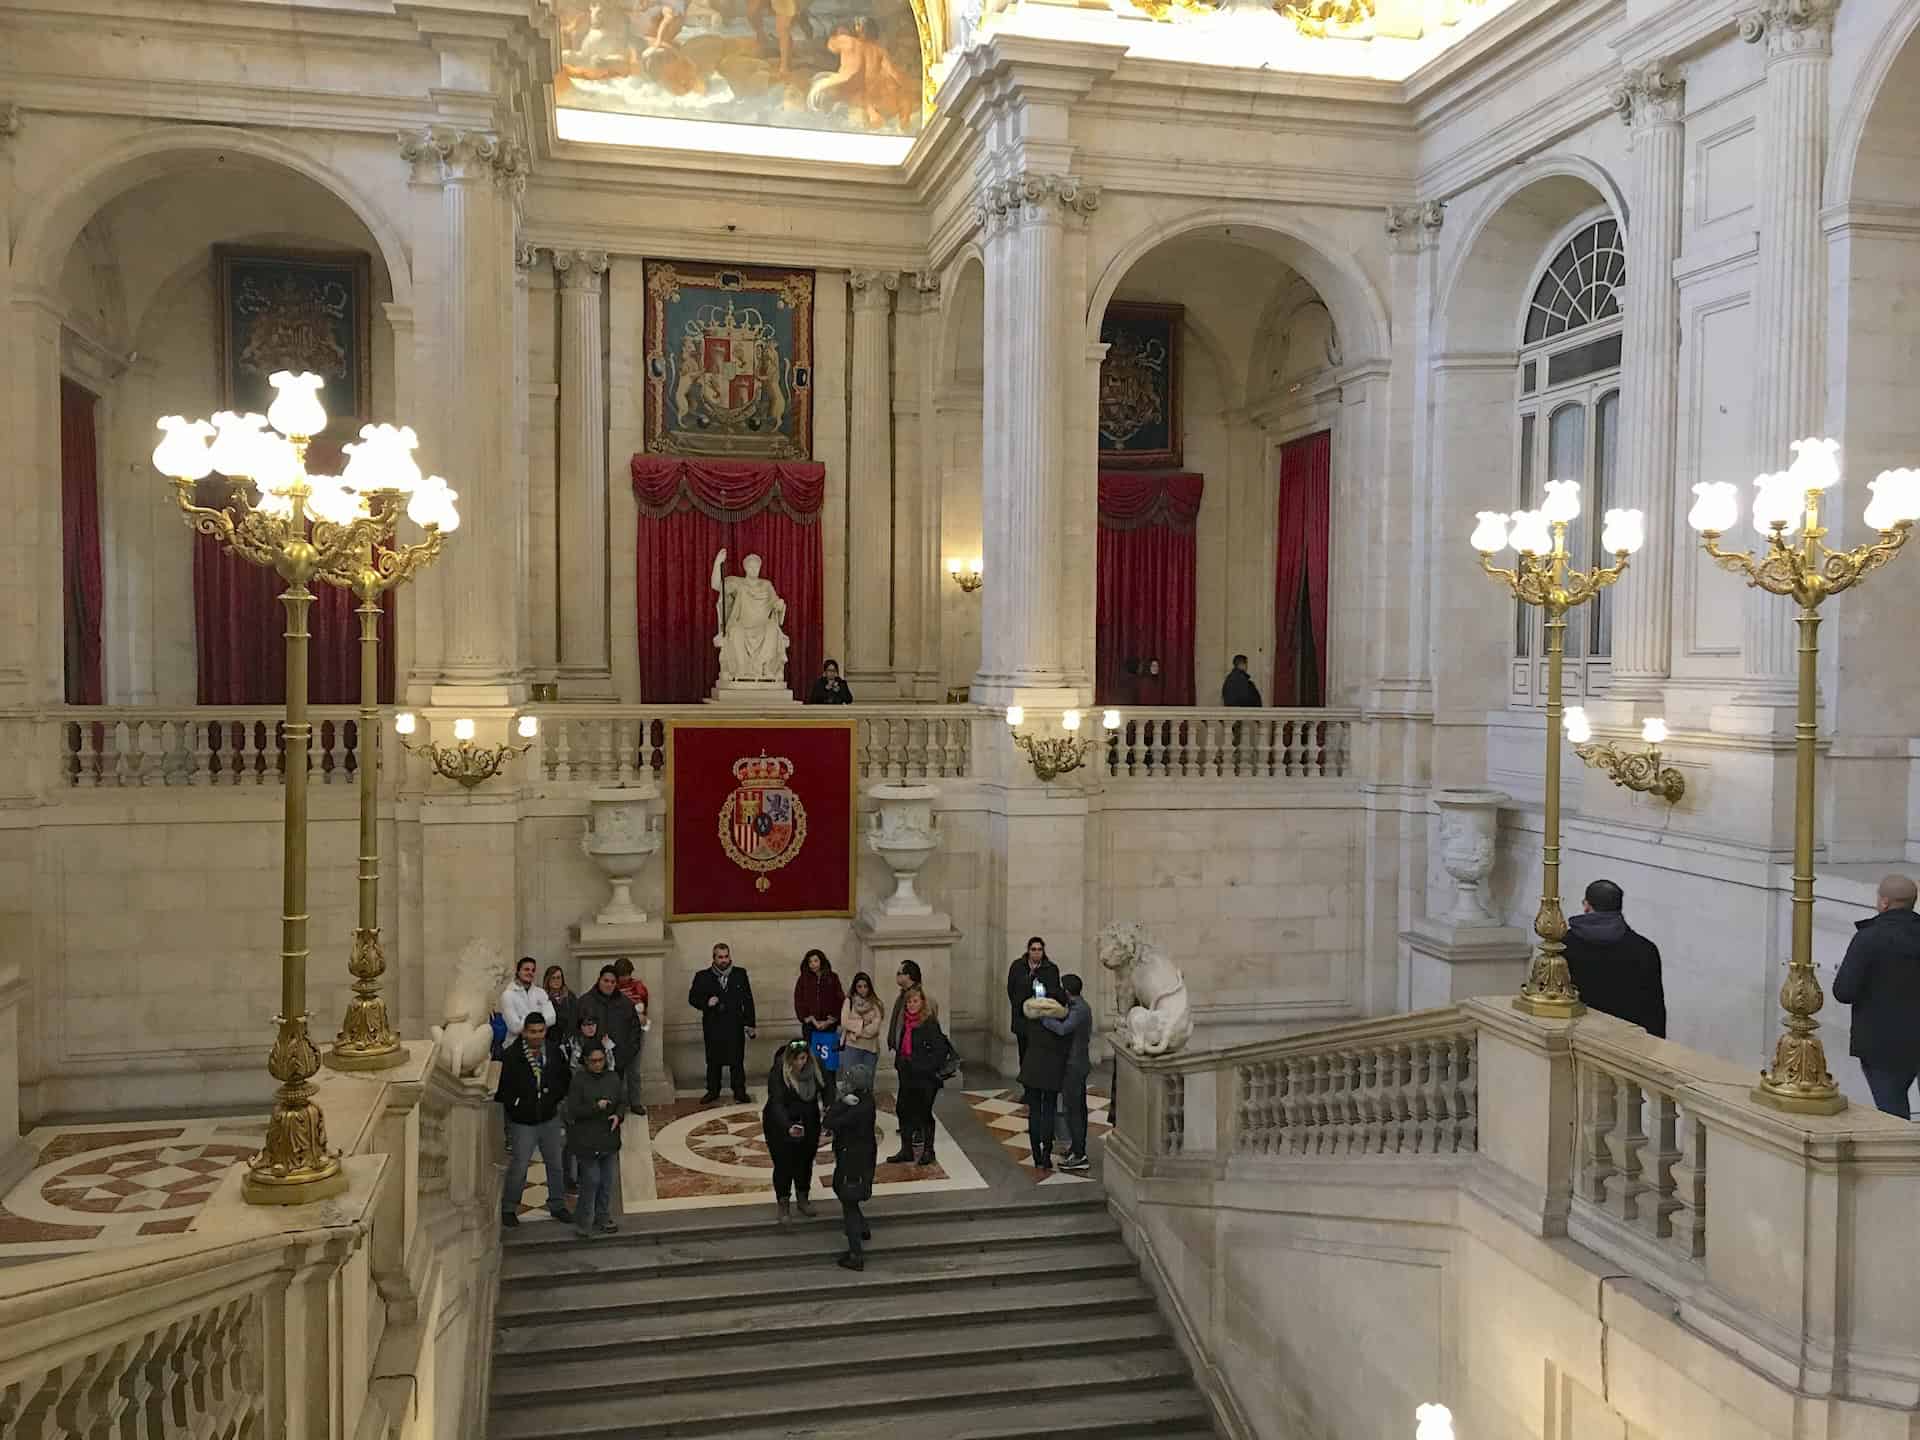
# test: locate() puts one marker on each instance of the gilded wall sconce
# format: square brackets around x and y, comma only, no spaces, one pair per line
[1055,755]
[966,574]
[1632,770]
[463,761]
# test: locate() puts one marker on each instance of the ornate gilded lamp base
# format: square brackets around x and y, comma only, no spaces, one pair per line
[295,1165]
[1549,993]
[1054,756]
[1800,1082]
[366,1040]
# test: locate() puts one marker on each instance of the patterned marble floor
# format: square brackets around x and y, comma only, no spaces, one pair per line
[96,1186]
[1005,1116]
[690,1156]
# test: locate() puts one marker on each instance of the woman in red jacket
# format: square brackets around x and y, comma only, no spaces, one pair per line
[817,996]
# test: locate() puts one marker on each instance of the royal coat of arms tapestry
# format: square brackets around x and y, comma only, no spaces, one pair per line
[297,310]
[761,819]
[729,354]
[1140,386]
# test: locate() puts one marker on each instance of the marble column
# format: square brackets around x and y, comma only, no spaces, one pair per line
[470,346]
[869,658]
[1790,300]
[918,571]
[1030,368]
[1652,102]
[584,670]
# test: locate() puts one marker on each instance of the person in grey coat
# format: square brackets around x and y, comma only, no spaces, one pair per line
[596,1103]
[1077,1026]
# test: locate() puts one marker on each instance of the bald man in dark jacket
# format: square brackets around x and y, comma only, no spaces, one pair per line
[1880,979]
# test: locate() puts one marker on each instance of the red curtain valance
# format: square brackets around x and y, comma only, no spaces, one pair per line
[1130,500]
[728,490]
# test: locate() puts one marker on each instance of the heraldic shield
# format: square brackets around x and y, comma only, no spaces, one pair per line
[763,824]
[761,818]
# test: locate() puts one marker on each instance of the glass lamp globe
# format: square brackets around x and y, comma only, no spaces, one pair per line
[296,408]
[1816,464]
[1653,730]
[383,460]
[1433,1422]
[1777,500]
[1579,729]
[1110,719]
[1717,508]
[1624,533]
[1490,535]
[1896,499]
[463,729]
[406,722]
[1531,534]
[528,726]
[182,452]
[235,442]
[1016,716]
[333,502]
[1071,720]
[1562,503]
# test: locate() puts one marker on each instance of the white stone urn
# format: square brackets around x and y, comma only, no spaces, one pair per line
[1469,820]
[619,838]
[903,836]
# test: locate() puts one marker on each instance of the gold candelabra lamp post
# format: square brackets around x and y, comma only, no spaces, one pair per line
[465,762]
[1805,570]
[1639,771]
[301,526]
[384,480]
[1544,576]
[1055,755]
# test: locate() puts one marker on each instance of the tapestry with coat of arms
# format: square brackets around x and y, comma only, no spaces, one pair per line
[761,819]
[1140,386]
[298,310]
[729,359]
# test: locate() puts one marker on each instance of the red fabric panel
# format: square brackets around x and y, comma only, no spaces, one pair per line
[802,874]
[1144,587]
[733,488]
[240,631]
[80,547]
[1306,504]
[678,614]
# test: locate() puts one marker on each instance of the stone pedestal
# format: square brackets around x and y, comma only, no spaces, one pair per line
[927,940]
[1465,951]
[648,946]
[757,693]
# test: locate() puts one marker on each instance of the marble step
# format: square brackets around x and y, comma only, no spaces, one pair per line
[1163,1414]
[984,1340]
[885,1400]
[1013,1264]
[897,1315]
[769,1244]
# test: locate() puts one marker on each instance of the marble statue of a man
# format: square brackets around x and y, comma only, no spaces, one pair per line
[751,640]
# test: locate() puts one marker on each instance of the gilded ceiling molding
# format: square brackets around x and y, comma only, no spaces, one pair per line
[1334,19]
[1791,27]
[1648,95]
[1028,198]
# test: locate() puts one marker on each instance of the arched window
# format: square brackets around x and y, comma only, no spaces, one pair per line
[1569,410]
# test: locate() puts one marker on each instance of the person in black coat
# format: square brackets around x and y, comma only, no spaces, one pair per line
[1880,979]
[724,997]
[921,1056]
[533,1084]
[1614,967]
[828,688]
[856,1150]
[796,1088]
[1239,688]
[1043,1072]
[619,1022]
[1029,968]
[596,1103]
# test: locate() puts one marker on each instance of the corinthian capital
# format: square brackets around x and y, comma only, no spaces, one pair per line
[1028,198]
[1416,226]
[579,269]
[873,288]
[1649,95]
[443,152]
[1790,27]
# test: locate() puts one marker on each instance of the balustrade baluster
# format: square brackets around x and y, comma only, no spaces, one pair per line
[1466,1093]
[1688,1226]
[1625,1141]
[563,751]
[1659,1204]
[897,747]
[1595,1163]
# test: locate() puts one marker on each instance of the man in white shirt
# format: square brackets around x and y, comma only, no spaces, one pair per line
[523,998]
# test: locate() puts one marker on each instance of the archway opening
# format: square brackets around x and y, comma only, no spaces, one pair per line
[961,373]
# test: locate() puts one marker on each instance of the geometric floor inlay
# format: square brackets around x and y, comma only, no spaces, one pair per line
[1005,1116]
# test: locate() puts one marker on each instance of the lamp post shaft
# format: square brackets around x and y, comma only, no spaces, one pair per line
[1549,991]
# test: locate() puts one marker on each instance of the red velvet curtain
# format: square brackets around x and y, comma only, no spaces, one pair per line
[1144,588]
[240,631]
[690,509]
[1300,592]
[80,548]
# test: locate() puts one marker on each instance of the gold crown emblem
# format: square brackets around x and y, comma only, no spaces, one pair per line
[764,772]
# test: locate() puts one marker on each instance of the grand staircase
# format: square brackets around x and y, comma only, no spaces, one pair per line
[1022,1321]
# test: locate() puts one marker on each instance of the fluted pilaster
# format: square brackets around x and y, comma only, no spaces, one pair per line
[1652,102]
[870,481]
[582,569]
[1030,368]
[1790,299]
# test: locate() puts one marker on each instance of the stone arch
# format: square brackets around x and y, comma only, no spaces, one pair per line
[56,220]
[1884,105]
[1355,303]
[1506,242]
[963,302]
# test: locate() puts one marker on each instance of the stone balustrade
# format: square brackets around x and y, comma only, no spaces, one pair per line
[1245,744]
[1522,1158]
[111,747]
[361,1315]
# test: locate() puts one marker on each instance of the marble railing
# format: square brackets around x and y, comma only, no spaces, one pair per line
[1802,1267]
[1231,743]
[614,744]
[116,747]
[354,1316]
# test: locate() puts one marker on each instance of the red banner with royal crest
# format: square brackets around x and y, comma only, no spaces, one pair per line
[761,819]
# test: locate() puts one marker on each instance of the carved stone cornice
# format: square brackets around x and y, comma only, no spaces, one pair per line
[1649,95]
[1790,27]
[580,269]
[445,153]
[1416,226]
[1026,199]
[872,289]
